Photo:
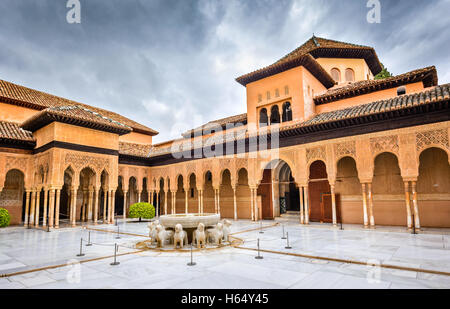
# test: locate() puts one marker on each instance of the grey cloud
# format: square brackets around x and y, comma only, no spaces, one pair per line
[171,64]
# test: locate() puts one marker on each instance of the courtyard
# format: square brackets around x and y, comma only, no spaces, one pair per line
[321,257]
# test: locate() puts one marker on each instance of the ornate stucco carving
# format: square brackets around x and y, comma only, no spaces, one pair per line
[433,137]
[384,144]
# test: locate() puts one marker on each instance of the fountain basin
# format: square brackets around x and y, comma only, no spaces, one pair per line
[189,221]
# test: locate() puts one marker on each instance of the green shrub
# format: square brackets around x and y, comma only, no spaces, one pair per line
[142,210]
[5,218]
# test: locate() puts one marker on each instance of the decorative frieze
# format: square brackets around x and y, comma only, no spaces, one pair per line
[384,144]
[79,161]
[429,138]
[345,149]
[316,153]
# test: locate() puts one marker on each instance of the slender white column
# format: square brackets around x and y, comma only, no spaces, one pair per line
[235,204]
[33,207]
[27,207]
[333,205]
[165,202]
[57,207]
[302,210]
[365,216]
[218,201]
[415,206]
[174,202]
[125,204]
[74,207]
[96,200]
[370,196]
[90,204]
[38,202]
[201,204]
[252,205]
[186,207]
[105,206]
[44,219]
[215,201]
[157,203]
[306,205]
[113,206]
[408,205]
[199,201]
[51,207]
[258,215]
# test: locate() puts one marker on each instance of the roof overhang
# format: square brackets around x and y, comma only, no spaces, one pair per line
[306,61]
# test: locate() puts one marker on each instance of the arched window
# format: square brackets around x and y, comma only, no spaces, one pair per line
[263,119]
[274,115]
[349,75]
[286,90]
[336,74]
[287,112]
[277,93]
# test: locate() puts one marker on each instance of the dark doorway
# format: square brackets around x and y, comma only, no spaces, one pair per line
[319,193]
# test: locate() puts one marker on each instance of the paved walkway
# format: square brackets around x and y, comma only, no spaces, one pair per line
[24,250]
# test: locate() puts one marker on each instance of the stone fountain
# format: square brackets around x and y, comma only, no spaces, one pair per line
[189,222]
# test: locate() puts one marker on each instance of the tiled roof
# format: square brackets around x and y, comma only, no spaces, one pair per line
[23,96]
[75,115]
[427,75]
[317,48]
[306,61]
[11,131]
[395,104]
[241,118]
[135,150]
[366,113]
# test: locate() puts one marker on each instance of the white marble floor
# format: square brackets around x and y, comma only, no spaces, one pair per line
[22,249]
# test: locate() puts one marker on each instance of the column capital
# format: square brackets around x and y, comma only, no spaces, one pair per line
[406,179]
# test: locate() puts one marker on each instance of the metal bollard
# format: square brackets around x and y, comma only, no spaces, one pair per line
[89,240]
[191,263]
[260,228]
[118,236]
[287,241]
[283,237]
[81,248]
[258,257]
[115,256]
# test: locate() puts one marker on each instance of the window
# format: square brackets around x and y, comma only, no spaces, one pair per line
[401,90]
[268,95]
[286,90]
[274,115]
[336,74]
[192,192]
[287,112]
[309,91]
[263,119]
[259,98]
[277,93]
[349,75]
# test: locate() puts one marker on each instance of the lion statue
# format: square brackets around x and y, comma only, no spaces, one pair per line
[161,236]
[179,237]
[226,229]
[216,234]
[199,236]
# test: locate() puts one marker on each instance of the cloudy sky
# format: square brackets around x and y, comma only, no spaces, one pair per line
[171,64]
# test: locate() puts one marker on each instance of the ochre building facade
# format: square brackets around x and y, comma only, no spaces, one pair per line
[322,139]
